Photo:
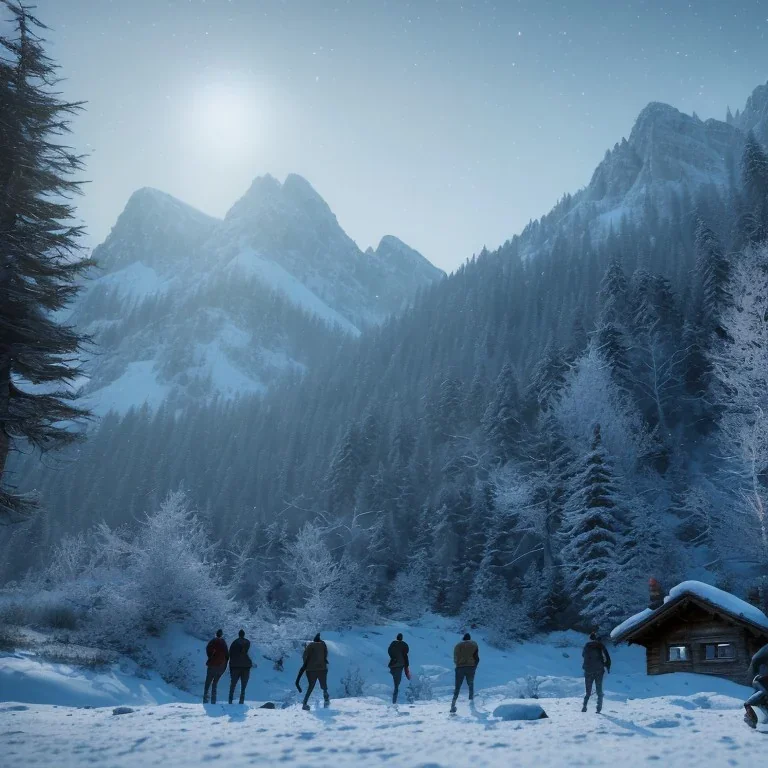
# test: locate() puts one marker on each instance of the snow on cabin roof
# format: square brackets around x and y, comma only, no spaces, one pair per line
[717,597]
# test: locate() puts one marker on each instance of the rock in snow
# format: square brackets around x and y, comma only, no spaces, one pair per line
[516,710]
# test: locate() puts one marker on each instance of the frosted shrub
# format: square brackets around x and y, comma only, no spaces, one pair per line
[352,684]
[126,585]
[333,593]
[420,689]
[174,574]
[409,596]
[530,687]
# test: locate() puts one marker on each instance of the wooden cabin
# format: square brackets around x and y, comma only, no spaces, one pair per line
[698,628]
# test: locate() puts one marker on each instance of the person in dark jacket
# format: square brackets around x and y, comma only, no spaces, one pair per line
[316,664]
[218,656]
[759,668]
[240,665]
[398,661]
[596,663]
[466,657]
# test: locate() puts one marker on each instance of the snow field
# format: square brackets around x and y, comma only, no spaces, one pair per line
[672,720]
[700,730]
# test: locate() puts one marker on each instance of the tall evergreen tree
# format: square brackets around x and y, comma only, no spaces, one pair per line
[40,254]
[593,537]
[712,274]
[754,169]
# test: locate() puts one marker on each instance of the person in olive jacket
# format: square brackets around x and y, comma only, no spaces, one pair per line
[240,665]
[398,661]
[466,657]
[218,656]
[316,665]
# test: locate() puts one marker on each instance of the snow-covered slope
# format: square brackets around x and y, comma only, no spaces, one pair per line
[670,719]
[184,305]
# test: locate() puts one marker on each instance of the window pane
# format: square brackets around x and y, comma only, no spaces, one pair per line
[678,653]
[710,652]
[725,651]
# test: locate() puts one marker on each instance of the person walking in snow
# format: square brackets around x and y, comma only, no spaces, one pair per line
[758,667]
[218,656]
[398,662]
[466,657]
[240,665]
[597,662]
[316,664]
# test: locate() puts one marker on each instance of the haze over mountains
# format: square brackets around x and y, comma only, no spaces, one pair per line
[185,305]
[460,429]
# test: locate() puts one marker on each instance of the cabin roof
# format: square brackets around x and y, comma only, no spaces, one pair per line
[708,597]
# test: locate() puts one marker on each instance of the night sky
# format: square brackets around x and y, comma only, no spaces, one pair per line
[448,124]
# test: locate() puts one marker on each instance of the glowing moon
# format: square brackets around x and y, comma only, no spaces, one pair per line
[227,118]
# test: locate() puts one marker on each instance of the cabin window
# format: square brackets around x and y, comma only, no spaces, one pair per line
[718,651]
[678,653]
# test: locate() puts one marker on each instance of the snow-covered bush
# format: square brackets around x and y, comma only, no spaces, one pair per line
[409,595]
[353,683]
[116,587]
[332,593]
[420,689]
[529,688]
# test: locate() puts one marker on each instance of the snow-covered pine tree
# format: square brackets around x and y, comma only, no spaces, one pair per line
[344,472]
[40,255]
[502,418]
[741,368]
[754,169]
[593,537]
[712,294]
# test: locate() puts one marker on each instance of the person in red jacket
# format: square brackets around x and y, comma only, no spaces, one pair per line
[218,656]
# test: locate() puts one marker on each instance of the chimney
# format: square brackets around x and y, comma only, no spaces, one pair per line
[656,594]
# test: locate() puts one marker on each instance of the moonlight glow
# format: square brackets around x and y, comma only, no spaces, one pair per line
[227,119]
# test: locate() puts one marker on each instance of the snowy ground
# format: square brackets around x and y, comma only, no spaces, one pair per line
[672,720]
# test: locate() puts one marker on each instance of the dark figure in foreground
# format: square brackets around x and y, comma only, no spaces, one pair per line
[466,657]
[759,668]
[597,662]
[316,664]
[218,656]
[398,661]
[239,665]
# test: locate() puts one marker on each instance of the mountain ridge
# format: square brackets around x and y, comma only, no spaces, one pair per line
[279,249]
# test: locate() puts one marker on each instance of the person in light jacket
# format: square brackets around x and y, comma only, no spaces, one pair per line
[466,657]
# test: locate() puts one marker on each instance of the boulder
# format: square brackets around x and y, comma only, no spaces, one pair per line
[519,711]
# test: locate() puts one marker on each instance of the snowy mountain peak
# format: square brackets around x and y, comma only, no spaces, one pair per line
[188,305]
[155,229]
[267,200]
[666,149]
[755,115]
[398,256]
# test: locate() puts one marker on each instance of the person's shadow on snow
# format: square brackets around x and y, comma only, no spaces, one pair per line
[236,713]
[326,715]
